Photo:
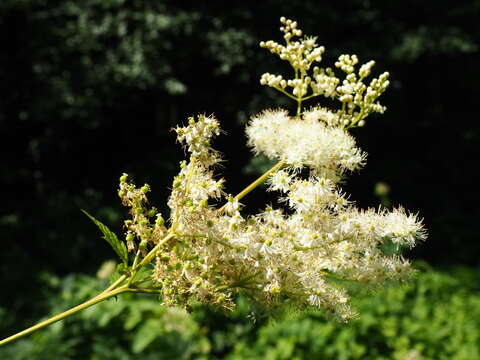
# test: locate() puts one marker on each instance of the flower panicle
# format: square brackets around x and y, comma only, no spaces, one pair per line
[304,251]
[358,99]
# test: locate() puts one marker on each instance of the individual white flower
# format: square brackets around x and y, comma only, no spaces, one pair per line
[280,181]
[196,137]
[314,194]
[403,229]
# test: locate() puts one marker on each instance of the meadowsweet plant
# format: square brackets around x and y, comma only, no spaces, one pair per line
[300,254]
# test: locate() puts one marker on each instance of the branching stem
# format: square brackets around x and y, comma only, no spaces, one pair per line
[99,298]
[114,289]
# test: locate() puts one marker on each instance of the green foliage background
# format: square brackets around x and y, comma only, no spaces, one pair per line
[90,89]
[435,317]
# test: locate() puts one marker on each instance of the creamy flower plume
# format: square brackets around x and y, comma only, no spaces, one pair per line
[301,254]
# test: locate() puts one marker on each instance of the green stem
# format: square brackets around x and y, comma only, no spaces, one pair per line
[145,290]
[142,281]
[99,298]
[299,107]
[134,267]
[260,180]
[257,182]
[147,259]
[114,285]
[286,93]
[309,97]
[356,120]
[112,290]
[135,261]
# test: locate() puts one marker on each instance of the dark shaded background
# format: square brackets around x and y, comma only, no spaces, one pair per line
[90,89]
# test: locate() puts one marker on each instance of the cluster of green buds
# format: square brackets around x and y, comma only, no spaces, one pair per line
[147,225]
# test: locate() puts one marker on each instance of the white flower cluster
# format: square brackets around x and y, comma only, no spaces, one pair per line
[195,185]
[356,95]
[300,54]
[313,142]
[275,257]
[301,255]
[358,99]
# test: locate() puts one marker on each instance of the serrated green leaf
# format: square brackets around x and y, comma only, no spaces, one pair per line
[111,238]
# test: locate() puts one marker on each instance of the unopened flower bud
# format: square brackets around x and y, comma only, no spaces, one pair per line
[160,220]
[151,212]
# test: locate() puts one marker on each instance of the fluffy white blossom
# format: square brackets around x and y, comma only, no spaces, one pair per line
[329,150]
[301,256]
